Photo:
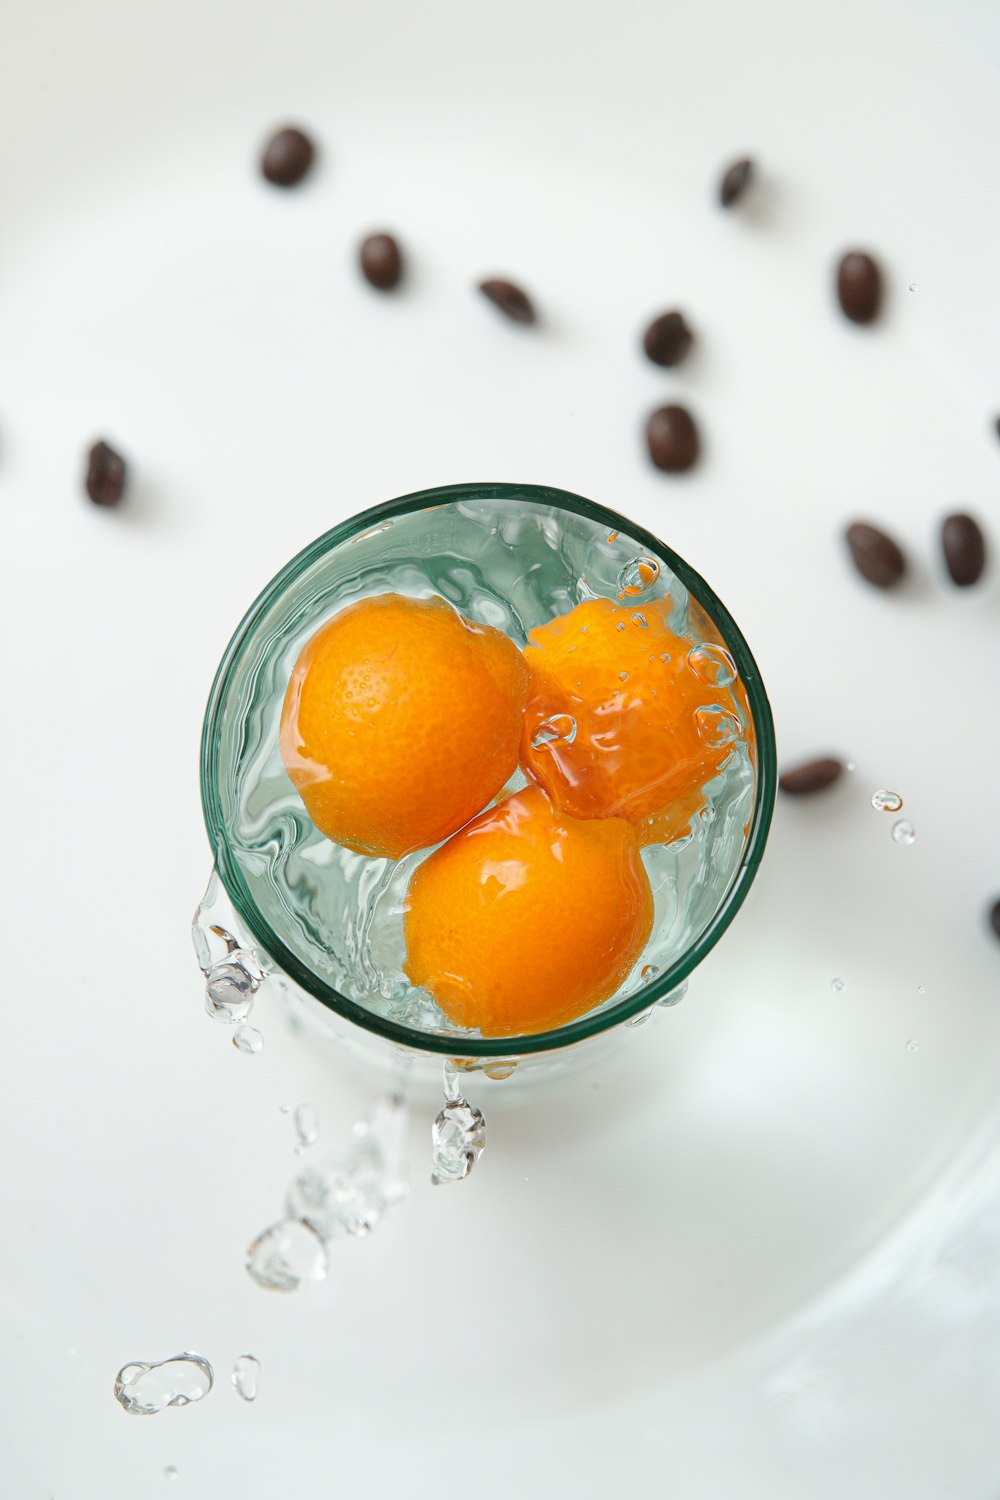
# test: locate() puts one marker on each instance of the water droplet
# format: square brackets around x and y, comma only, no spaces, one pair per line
[903,831]
[246,1377]
[620,627]
[649,973]
[559,728]
[912,1046]
[675,996]
[664,657]
[247,1039]
[145,1389]
[349,1199]
[612,538]
[170,1472]
[640,1019]
[717,726]
[285,1255]
[921,990]
[712,664]
[708,813]
[230,986]
[913,286]
[306,1122]
[639,620]
[884,801]
[638,575]
[623,677]
[837,984]
[284,1109]
[500,1069]
[458,1139]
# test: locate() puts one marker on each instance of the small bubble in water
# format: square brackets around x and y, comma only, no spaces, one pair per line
[247,1039]
[285,1255]
[639,620]
[664,656]
[246,1377]
[903,831]
[458,1139]
[638,575]
[708,813]
[170,1472]
[559,728]
[912,1046]
[837,984]
[885,801]
[623,677]
[620,627]
[717,726]
[306,1121]
[712,664]
[143,1389]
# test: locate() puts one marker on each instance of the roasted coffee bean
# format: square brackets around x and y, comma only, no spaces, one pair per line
[735,181]
[995,917]
[859,286]
[510,299]
[381,261]
[813,776]
[287,157]
[964,548]
[876,556]
[673,439]
[106,473]
[667,339]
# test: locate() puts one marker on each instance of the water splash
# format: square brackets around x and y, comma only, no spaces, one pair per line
[143,1389]
[286,1255]
[349,1198]
[246,1377]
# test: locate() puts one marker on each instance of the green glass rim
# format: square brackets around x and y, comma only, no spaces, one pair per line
[594,1022]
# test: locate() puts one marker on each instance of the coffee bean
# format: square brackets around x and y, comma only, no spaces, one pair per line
[673,439]
[964,548]
[995,917]
[859,286]
[735,181]
[381,261]
[510,299]
[287,157]
[667,339]
[106,473]
[876,556]
[813,776]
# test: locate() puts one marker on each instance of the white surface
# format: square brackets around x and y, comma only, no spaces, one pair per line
[759,1254]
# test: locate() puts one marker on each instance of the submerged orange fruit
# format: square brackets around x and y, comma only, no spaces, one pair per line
[527,917]
[401,720]
[620,722]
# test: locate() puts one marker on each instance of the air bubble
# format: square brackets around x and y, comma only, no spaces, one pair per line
[885,801]
[903,831]
[620,627]
[708,814]
[170,1472]
[143,1390]
[247,1039]
[638,575]
[649,973]
[560,728]
[623,677]
[639,620]
[717,726]
[712,664]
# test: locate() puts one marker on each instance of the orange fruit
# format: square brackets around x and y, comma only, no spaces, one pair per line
[528,917]
[401,720]
[618,721]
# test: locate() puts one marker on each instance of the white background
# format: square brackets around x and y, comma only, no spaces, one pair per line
[758,1254]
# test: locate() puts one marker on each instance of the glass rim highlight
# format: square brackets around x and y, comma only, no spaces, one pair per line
[594,1022]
